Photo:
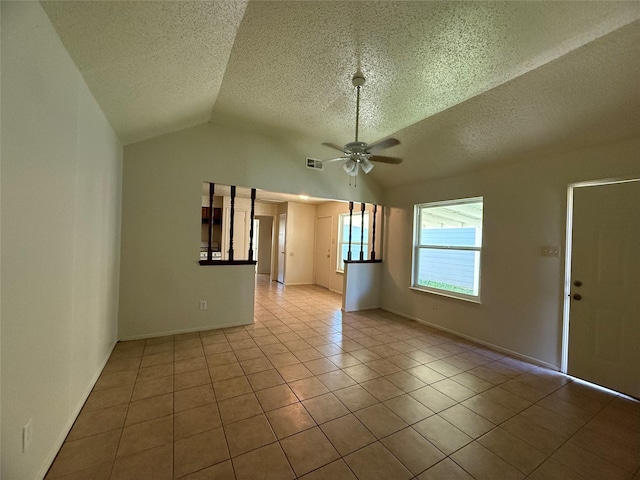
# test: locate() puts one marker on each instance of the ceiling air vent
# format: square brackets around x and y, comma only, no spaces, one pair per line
[314,163]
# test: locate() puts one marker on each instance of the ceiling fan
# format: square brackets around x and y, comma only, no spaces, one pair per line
[359,155]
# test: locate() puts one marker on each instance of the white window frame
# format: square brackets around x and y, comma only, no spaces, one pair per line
[354,241]
[417,246]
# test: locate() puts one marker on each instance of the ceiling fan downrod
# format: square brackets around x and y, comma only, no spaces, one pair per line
[358,81]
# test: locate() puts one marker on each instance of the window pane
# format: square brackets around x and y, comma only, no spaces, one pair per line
[451,270]
[355,253]
[458,225]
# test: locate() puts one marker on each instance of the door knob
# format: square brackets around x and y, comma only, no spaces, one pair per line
[577,283]
[577,296]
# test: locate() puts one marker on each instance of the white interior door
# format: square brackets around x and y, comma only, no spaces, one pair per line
[323,251]
[604,305]
[282,226]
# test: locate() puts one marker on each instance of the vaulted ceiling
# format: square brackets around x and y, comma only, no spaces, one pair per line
[461,84]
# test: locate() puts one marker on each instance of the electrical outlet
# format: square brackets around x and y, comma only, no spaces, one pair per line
[203,304]
[27,435]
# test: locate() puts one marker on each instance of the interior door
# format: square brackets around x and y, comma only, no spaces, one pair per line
[282,230]
[323,251]
[604,323]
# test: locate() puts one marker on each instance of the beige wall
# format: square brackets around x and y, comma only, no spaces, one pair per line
[524,209]
[162,282]
[61,186]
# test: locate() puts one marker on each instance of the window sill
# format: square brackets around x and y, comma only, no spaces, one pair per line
[476,300]
[227,262]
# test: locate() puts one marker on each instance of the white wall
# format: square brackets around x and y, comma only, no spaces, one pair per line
[61,189]
[524,209]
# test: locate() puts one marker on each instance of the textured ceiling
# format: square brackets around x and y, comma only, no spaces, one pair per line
[459,83]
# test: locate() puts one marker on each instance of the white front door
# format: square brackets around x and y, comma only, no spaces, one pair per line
[282,226]
[604,290]
[323,251]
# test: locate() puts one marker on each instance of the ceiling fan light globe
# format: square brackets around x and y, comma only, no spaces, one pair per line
[366,165]
[349,165]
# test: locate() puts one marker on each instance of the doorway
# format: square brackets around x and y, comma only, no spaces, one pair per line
[602,279]
[282,227]
[322,263]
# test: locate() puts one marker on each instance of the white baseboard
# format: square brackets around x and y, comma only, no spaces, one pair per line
[498,348]
[74,415]
[287,284]
[184,330]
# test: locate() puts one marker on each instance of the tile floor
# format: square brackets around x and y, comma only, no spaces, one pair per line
[308,392]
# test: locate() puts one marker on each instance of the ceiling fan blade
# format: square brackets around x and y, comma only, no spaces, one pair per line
[335,159]
[382,144]
[332,145]
[381,159]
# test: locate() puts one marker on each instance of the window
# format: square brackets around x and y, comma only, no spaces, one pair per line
[447,248]
[357,233]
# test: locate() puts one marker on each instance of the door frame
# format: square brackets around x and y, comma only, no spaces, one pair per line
[564,362]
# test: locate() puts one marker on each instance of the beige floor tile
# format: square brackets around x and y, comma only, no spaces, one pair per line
[85,453]
[153,464]
[442,434]
[217,347]
[453,389]
[561,426]
[109,397]
[159,340]
[533,434]
[122,364]
[445,470]
[366,355]
[307,354]
[146,435]
[269,461]
[193,397]
[220,471]
[383,366]
[361,373]
[239,408]
[276,397]
[191,379]
[469,422]
[513,450]
[248,354]
[188,353]
[380,420]
[426,374]
[344,360]
[403,361]
[219,359]
[375,462]
[355,397]
[308,388]
[432,398]
[413,451]
[482,464]
[610,450]
[190,365]
[98,421]
[297,371]
[283,359]
[405,381]
[152,349]
[196,420]
[507,399]
[231,388]
[289,420]
[225,372]
[347,434]
[553,470]
[150,408]
[187,341]
[256,365]
[248,434]
[98,472]
[152,388]
[336,380]
[382,389]
[110,380]
[488,409]
[199,451]
[337,470]
[274,348]
[156,371]
[266,379]
[587,464]
[408,408]
[308,450]
[325,407]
